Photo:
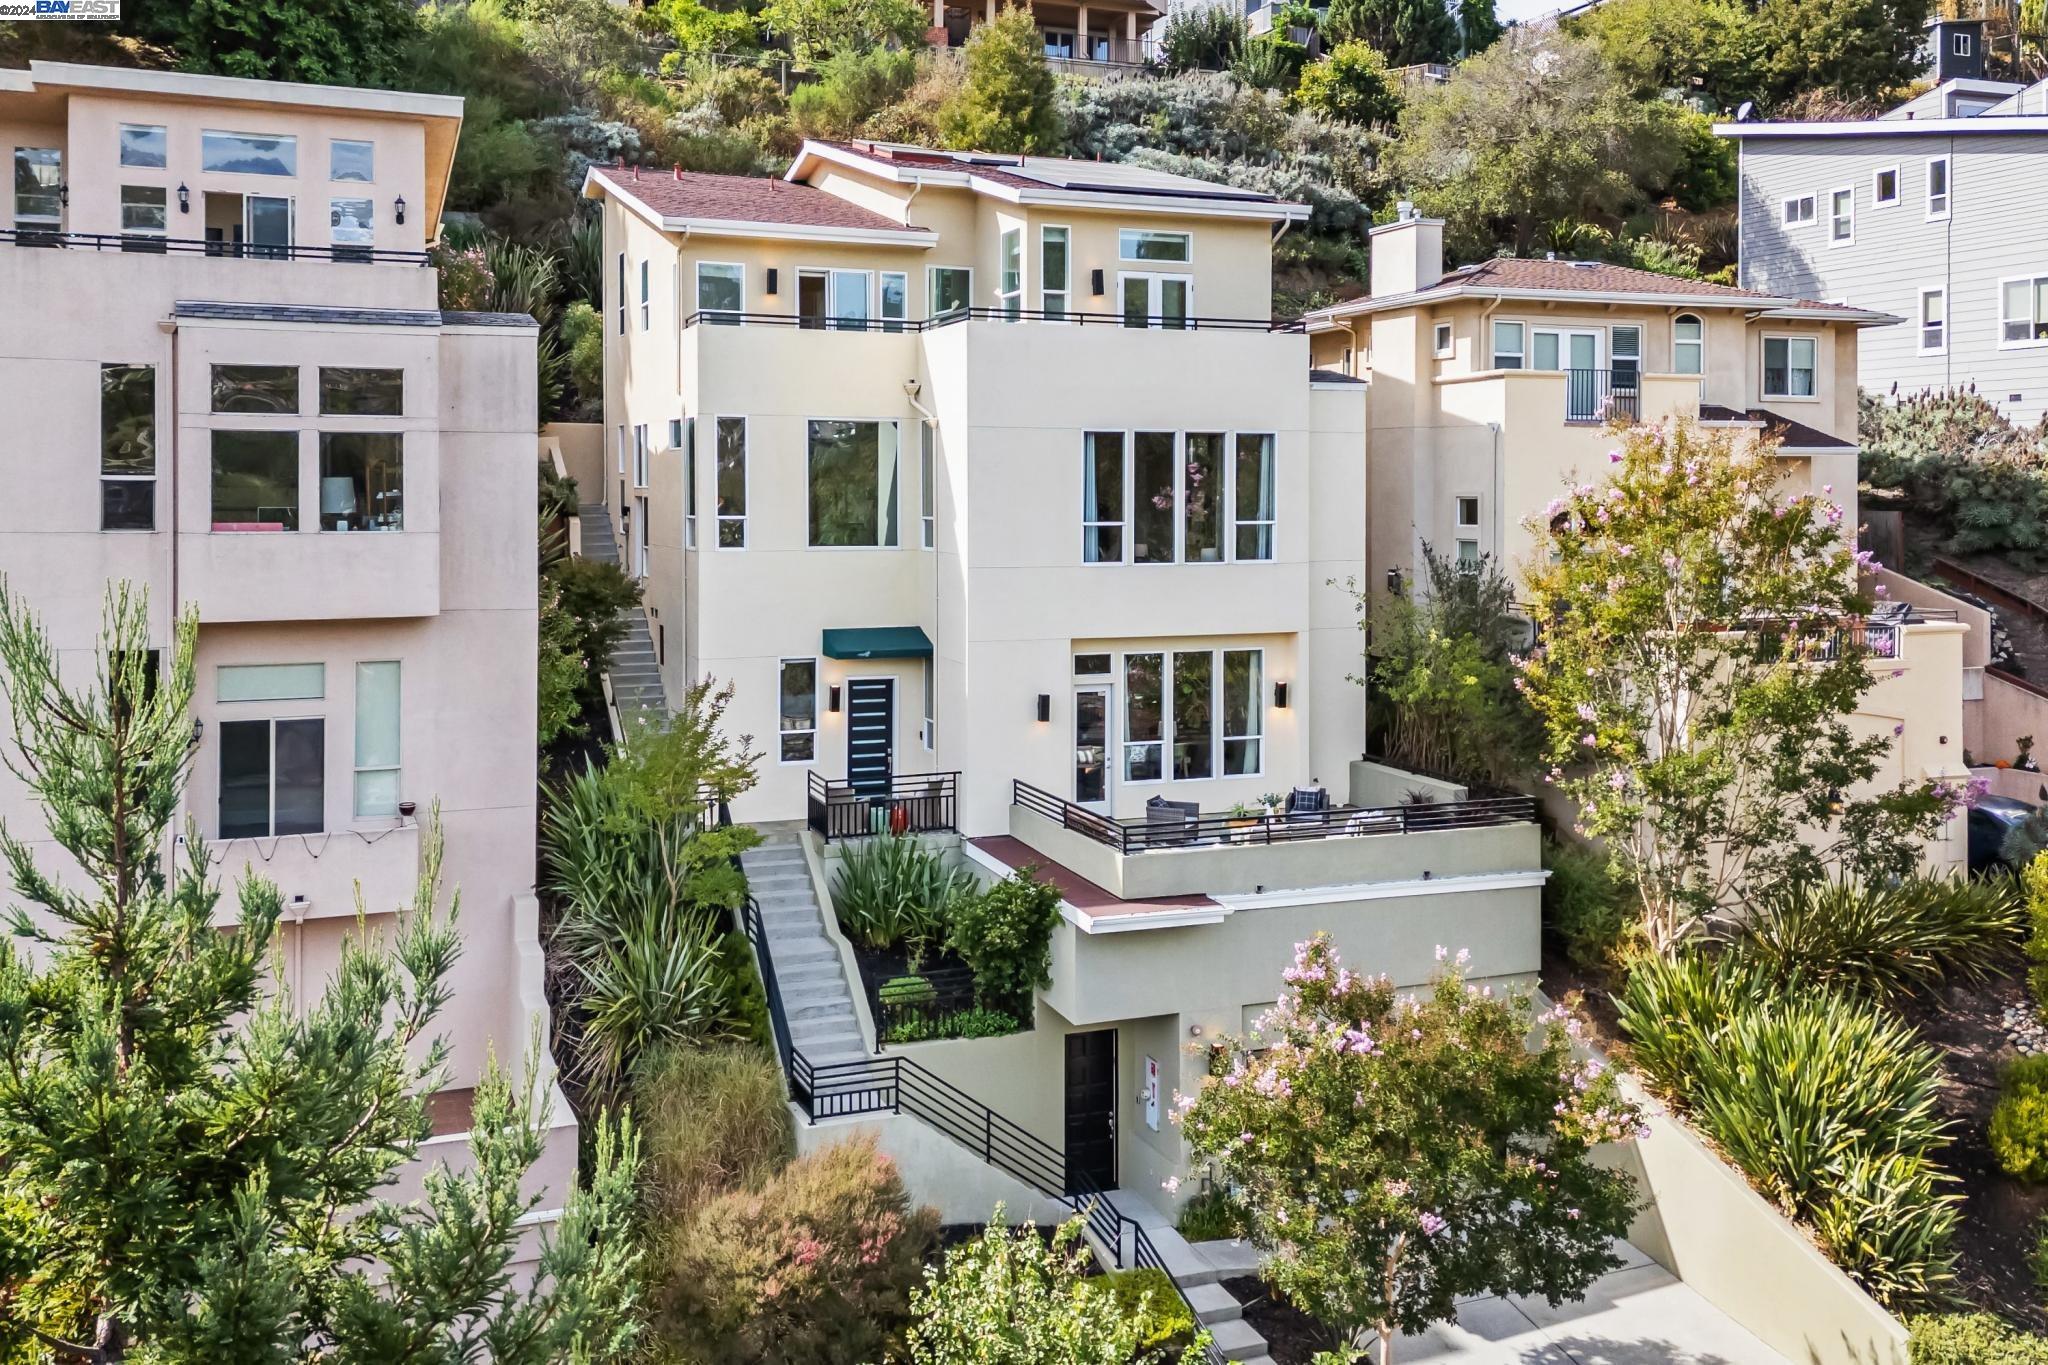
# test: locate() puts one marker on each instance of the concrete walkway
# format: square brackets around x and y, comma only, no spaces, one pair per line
[1637,1315]
[815,996]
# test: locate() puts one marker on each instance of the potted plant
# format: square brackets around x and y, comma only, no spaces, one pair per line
[2025,762]
[1244,822]
[1274,803]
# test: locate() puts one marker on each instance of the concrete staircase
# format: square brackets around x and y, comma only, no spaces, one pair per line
[1197,1276]
[636,677]
[815,996]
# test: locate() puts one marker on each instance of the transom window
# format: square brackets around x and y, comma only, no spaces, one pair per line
[248,153]
[144,144]
[1145,244]
[1789,364]
[1093,665]
[1161,497]
[852,484]
[1201,709]
[2023,311]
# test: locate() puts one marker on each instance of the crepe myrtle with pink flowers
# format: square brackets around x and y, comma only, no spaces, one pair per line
[1395,1152]
[1700,656]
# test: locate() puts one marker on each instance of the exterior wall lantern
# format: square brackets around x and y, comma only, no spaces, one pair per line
[1280,696]
[1044,707]
[398,209]
[774,278]
[1095,283]
[184,199]
[832,699]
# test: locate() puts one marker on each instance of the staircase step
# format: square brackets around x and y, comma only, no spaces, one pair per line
[820,1010]
[1213,1304]
[1238,1339]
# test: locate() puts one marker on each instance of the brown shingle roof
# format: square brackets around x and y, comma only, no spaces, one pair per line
[741,199]
[1593,277]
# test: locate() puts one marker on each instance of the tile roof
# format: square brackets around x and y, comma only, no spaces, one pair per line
[741,199]
[1786,432]
[1594,277]
[1332,377]
[1075,889]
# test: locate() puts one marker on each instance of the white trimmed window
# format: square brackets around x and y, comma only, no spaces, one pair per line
[1842,217]
[689,444]
[1441,340]
[1933,320]
[1688,344]
[1162,497]
[1797,211]
[1466,518]
[948,289]
[799,711]
[640,456]
[1010,292]
[622,293]
[1938,195]
[1884,186]
[731,491]
[1789,367]
[931,724]
[377,735]
[1053,266]
[895,299]
[927,497]
[1102,497]
[2023,311]
[646,297]
[1509,346]
[721,287]
[1254,497]
[852,484]
[1201,709]
[1144,244]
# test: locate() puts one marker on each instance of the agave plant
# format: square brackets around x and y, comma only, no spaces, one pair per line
[895,890]
[659,982]
[1883,943]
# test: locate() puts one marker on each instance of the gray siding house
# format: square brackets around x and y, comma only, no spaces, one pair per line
[1938,219]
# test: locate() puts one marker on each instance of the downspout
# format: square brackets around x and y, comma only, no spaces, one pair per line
[910,389]
[169,327]
[915,186]
[1498,511]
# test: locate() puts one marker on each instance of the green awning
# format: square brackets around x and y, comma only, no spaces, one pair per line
[878,642]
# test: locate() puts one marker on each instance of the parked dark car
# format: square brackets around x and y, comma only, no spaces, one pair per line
[1991,819]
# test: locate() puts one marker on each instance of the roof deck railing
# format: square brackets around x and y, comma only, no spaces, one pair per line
[714,317]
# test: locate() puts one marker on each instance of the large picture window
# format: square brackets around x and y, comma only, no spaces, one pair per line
[127,448]
[1140,244]
[1789,367]
[362,481]
[853,484]
[255,481]
[273,776]
[1144,717]
[377,726]
[731,489]
[1102,497]
[799,722]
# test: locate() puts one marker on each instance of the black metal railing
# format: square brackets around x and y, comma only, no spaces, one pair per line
[1155,321]
[905,803]
[1602,396]
[1145,1256]
[1191,830]
[149,245]
[778,1016]
[913,1006]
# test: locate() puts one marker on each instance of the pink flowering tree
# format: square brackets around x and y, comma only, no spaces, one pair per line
[1393,1153]
[1700,658]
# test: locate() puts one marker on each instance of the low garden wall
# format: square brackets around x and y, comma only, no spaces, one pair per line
[1706,1225]
[1380,784]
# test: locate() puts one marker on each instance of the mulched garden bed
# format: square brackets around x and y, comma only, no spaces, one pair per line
[1292,1336]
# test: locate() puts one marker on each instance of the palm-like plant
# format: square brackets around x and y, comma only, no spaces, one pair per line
[895,890]
[1883,942]
[659,982]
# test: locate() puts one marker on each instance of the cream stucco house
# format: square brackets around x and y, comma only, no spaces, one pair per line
[226,378]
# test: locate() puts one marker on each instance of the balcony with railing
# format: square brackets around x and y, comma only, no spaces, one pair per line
[890,803]
[153,244]
[820,322]
[1598,397]
[1177,849]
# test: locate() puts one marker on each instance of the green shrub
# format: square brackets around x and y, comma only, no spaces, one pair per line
[974,1023]
[1883,942]
[815,1264]
[1973,1339]
[907,990]
[1589,910]
[852,87]
[2034,880]
[2037,1259]
[713,1119]
[596,596]
[1145,1295]
[1211,1217]
[894,890]
[1826,1103]
[2018,1131]
[1004,933]
[583,334]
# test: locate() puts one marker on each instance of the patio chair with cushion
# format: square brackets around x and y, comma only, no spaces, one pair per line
[1170,822]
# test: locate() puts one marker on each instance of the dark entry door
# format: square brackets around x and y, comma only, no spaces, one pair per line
[870,734]
[1091,1110]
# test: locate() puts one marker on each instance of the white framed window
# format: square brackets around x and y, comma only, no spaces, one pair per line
[2023,311]
[1961,44]
[1933,320]
[1797,211]
[895,299]
[1789,366]
[1253,497]
[38,186]
[1242,684]
[646,296]
[1440,337]
[1688,344]
[623,447]
[640,455]
[852,484]
[642,536]
[931,725]
[1053,268]
[798,724]
[1192,714]
[730,490]
[270,682]
[348,159]
[144,144]
[1938,190]
[1010,287]
[1884,186]
[1202,491]
[1094,665]
[377,767]
[1842,217]
[622,298]
[1144,716]
[689,444]
[273,777]
[721,287]
[1145,244]
[948,289]
[1510,346]
[1102,497]
[1155,300]
[1465,517]
[927,496]
[1625,357]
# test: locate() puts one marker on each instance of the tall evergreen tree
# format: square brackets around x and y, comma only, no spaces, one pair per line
[1407,32]
[1008,103]
[1479,27]
[189,1158]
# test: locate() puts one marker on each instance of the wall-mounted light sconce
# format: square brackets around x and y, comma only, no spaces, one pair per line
[1095,284]
[1194,1030]
[774,278]
[184,200]
[1394,580]
[64,194]
[398,209]
[1280,696]
[832,699]
[198,729]
[1044,707]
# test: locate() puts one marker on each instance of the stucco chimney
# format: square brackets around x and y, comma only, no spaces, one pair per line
[1408,253]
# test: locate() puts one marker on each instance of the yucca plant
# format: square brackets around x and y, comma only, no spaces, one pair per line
[1671,1008]
[1883,943]
[894,890]
[659,983]
[1890,1221]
